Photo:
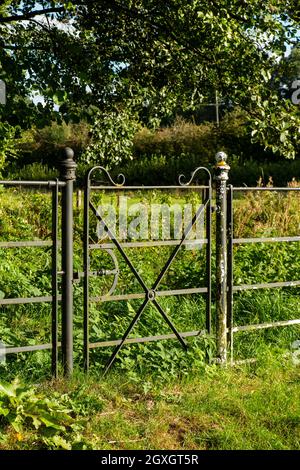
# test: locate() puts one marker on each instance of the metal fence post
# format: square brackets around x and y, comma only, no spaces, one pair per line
[221,177]
[68,174]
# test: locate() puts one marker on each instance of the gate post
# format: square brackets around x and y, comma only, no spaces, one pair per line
[67,174]
[221,177]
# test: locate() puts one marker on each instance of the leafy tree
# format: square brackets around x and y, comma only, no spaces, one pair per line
[291,72]
[8,150]
[147,58]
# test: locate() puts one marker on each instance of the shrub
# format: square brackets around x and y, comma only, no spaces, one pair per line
[183,138]
[203,140]
[44,145]
[34,171]
[112,139]
[250,172]
[151,169]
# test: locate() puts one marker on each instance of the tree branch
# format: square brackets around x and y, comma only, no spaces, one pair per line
[32,14]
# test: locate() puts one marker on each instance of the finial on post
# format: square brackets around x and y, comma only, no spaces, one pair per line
[221,157]
[68,165]
[221,168]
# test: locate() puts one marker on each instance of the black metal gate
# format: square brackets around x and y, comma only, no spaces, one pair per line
[148,293]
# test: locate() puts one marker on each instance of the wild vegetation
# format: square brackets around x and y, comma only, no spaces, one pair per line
[155,155]
[157,377]
[147,63]
[254,407]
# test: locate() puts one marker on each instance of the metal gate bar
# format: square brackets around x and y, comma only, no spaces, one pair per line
[163,293]
[54,320]
[146,339]
[208,197]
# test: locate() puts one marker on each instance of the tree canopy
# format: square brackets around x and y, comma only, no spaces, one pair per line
[143,60]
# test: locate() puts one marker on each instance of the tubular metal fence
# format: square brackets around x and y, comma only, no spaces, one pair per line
[54,187]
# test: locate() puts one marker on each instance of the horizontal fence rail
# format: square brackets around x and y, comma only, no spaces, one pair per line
[149,244]
[263,188]
[231,288]
[117,187]
[147,339]
[33,184]
[240,241]
[141,295]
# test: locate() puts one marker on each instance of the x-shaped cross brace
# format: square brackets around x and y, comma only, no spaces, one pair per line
[150,294]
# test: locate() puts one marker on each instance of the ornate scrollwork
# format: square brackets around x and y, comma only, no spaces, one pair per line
[120,176]
[200,168]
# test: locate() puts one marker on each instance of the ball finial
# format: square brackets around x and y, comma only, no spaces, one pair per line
[221,157]
[69,153]
[68,165]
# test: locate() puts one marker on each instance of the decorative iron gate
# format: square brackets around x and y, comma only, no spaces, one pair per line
[148,294]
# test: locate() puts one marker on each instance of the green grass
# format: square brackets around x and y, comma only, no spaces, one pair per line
[251,407]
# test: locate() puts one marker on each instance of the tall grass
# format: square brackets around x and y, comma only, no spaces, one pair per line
[254,407]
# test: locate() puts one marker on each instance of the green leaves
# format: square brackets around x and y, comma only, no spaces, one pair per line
[60,96]
[275,123]
[112,139]
[22,408]
[117,64]
[8,149]
[8,390]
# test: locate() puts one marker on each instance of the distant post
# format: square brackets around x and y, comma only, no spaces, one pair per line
[221,177]
[68,174]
